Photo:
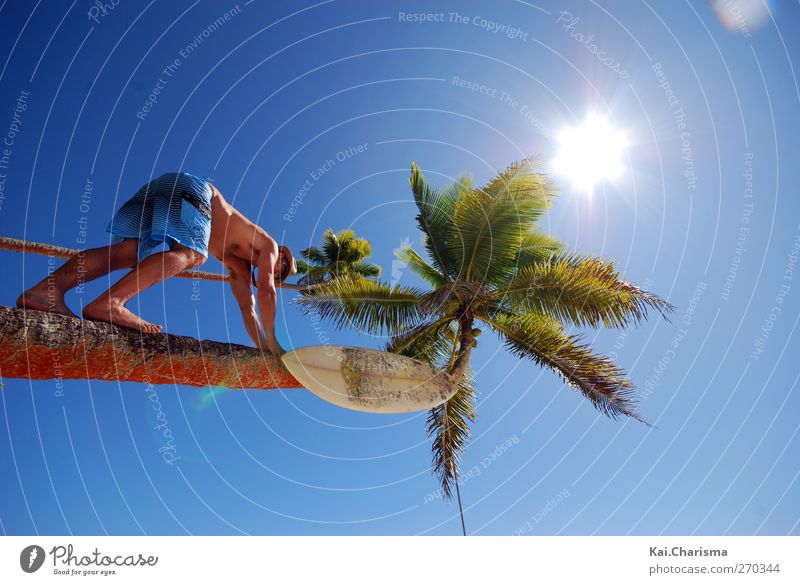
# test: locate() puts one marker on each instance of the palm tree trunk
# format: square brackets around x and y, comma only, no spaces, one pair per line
[40,346]
[466,341]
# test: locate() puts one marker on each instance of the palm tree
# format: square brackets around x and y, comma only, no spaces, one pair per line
[487,262]
[341,254]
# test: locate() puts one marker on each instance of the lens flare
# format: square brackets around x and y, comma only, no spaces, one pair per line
[742,16]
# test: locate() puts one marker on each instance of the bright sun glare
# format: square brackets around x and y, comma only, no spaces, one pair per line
[590,153]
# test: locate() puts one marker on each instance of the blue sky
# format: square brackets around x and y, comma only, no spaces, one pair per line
[706,215]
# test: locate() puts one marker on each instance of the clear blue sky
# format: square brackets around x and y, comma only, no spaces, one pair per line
[261,101]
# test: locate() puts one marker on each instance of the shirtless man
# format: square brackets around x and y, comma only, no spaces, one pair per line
[193,218]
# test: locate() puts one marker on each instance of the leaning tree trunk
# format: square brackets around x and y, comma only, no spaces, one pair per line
[41,346]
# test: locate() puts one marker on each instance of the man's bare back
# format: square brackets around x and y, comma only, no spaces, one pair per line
[233,236]
[241,246]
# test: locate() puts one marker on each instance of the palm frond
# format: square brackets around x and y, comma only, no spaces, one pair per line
[537,246]
[430,342]
[302,266]
[420,267]
[581,290]
[310,274]
[448,423]
[340,254]
[314,256]
[330,245]
[490,224]
[434,217]
[368,305]
[356,249]
[364,268]
[544,341]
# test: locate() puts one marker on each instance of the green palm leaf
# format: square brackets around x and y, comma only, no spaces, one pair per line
[596,377]
[448,423]
[340,254]
[430,342]
[537,246]
[314,255]
[434,217]
[364,268]
[490,224]
[420,267]
[368,305]
[581,290]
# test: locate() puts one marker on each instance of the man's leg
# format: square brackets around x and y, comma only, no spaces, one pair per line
[110,306]
[48,295]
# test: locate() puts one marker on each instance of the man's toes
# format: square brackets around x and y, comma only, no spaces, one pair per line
[149,327]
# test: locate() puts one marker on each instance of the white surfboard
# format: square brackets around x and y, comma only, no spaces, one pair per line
[369,380]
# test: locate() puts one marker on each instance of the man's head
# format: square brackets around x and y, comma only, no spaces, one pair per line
[286,265]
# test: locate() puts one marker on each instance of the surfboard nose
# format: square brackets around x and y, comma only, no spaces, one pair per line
[369,380]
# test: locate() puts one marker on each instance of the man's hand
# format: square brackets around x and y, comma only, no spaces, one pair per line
[260,321]
[267,296]
[239,272]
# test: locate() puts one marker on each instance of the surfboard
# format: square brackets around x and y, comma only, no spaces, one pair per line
[369,380]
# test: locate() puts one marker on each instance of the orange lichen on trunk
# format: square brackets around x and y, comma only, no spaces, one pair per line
[42,346]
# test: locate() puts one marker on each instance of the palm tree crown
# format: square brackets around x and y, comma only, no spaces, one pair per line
[341,254]
[487,261]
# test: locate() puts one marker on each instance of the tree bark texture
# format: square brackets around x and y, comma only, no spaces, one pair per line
[41,346]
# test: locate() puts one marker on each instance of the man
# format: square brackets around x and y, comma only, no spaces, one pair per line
[193,218]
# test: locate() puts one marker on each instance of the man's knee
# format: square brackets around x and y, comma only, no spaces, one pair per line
[189,257]
[194,259]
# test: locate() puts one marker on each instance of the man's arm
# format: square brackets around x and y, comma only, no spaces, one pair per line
[267,297]
[239,272]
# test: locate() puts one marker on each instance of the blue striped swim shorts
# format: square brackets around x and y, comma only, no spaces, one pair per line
[174,208]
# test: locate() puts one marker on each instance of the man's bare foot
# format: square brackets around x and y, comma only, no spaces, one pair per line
[39,298]
[115,313]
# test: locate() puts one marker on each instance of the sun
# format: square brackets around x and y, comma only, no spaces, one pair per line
[590,153]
